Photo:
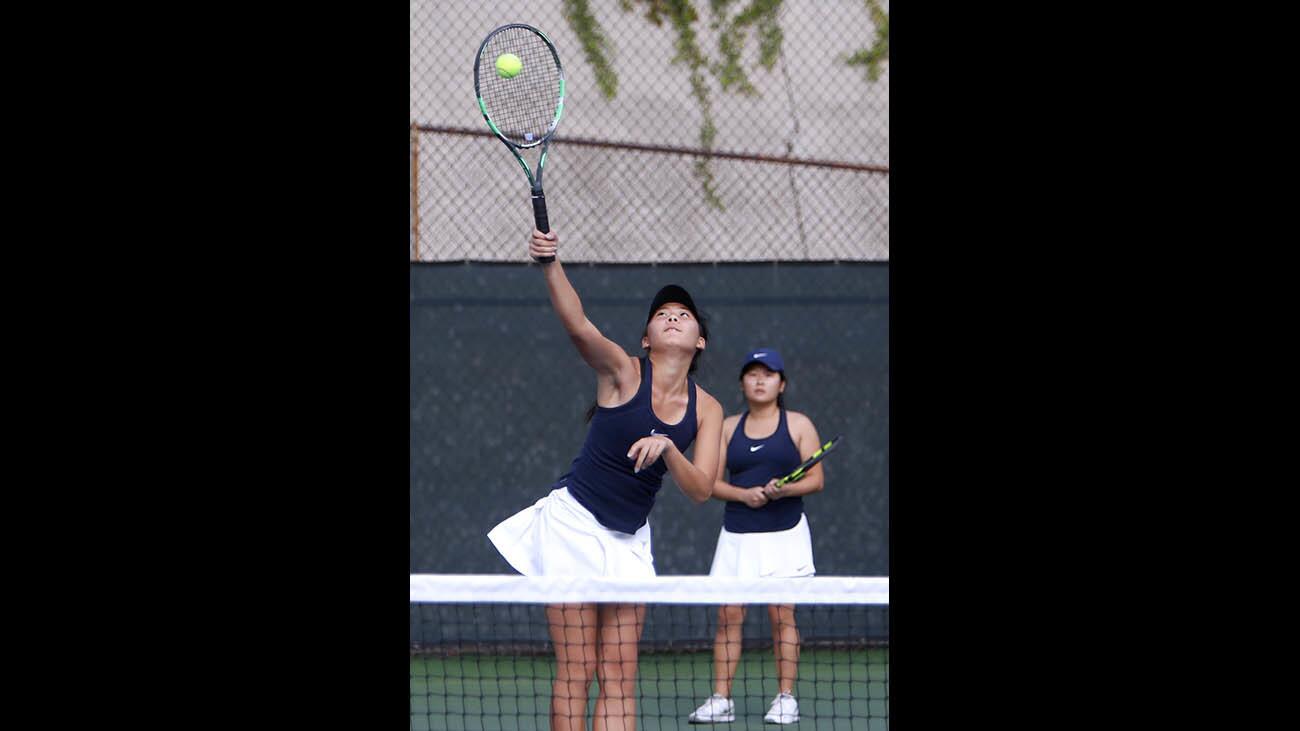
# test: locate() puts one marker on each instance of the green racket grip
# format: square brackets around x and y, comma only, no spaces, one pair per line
[539,218]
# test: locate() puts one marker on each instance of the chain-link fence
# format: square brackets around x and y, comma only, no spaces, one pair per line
[654,161]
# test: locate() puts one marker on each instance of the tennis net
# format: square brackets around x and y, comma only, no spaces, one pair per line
[484,652]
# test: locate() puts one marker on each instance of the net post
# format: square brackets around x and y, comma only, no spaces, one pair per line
[415,192]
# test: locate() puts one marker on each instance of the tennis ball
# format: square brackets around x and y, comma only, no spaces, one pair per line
[509,65]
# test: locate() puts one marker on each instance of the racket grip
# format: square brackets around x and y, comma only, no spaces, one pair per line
[539,218]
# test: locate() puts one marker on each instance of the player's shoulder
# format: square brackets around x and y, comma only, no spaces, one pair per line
[798,420]
[729,422]
[800,423]
[705,402]
[628,370]
[706,399]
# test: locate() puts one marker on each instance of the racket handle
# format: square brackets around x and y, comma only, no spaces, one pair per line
[539,218]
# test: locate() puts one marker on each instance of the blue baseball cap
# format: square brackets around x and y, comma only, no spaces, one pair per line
[767,356]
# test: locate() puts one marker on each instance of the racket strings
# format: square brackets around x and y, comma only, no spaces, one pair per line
[524,107]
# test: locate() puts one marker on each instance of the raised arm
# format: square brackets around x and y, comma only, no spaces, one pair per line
[612,365]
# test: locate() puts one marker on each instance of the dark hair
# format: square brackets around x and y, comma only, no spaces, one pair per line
[695,359]
[780,397]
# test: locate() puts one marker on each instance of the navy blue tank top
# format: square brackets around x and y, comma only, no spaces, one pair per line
[751,463]
[601,477]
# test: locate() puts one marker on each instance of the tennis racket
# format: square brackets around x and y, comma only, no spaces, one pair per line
[802,470]
[523,110]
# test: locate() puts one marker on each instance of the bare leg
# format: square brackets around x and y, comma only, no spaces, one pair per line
[785,645]
[573,632]
[620,632]
[726,647]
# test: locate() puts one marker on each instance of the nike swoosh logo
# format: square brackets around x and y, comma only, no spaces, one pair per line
[654,433]
[755,449]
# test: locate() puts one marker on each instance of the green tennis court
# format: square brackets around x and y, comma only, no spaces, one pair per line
[838,690]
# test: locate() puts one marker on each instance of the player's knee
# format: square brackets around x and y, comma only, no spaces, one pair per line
[575,672]
[617,680]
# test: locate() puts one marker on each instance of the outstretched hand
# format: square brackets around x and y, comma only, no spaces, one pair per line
[542,245]
[647,450]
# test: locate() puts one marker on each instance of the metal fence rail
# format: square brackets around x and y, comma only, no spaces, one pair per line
[795,169]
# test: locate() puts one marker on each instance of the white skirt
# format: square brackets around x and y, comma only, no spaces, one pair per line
[557,536]
[783,553]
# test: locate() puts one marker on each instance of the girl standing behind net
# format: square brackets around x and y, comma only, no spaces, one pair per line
[764,530]
[594,521]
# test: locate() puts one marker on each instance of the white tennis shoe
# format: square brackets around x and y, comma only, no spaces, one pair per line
[785,709]
[715,710]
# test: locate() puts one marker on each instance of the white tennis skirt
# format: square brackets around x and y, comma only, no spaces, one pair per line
[557,536]
[783,553]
